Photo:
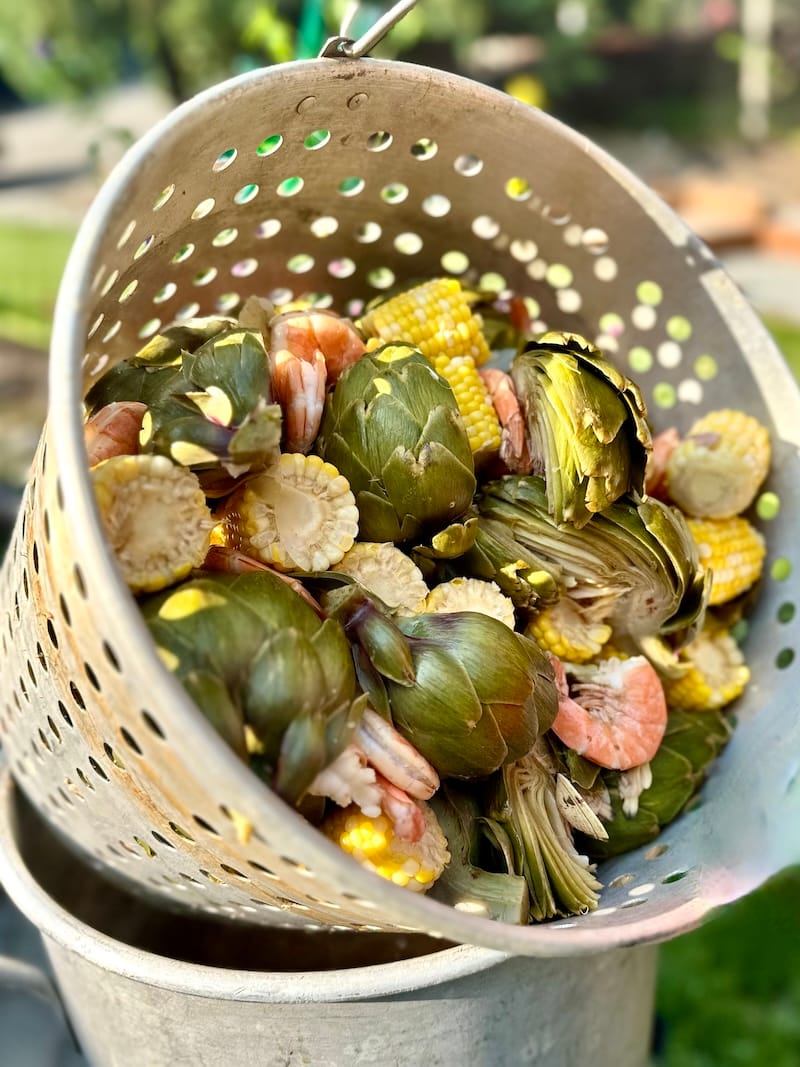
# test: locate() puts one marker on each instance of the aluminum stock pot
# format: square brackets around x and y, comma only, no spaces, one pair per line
[327,999]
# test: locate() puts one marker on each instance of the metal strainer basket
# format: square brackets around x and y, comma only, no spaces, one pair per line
[341,177]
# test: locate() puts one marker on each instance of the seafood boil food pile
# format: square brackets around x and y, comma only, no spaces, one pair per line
[474,623]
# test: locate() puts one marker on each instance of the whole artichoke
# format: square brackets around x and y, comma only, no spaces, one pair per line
[392,428]
[691,743]
[250,651]
[586,422]
[207,390]
[469,693]
[481,697]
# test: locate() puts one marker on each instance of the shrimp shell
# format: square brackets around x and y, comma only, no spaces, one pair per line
[619,716]
[114,430]
[306,350]
[514,451]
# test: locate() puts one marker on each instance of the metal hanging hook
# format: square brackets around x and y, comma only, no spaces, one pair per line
[342,46]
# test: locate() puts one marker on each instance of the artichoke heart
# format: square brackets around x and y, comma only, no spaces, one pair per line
[635,566]
[587,424]
[392,427]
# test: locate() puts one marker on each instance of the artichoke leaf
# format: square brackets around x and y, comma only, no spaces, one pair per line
[235,362]
[286,679]
[463,883]
[213,698]
[443,718]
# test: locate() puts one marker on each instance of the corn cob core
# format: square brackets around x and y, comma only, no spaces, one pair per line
[732,550]
[373,843]
[562,630]
[716,470]
[436,318]
[155,517]
[471,594]
[298,515]
[718,673]
[386,571]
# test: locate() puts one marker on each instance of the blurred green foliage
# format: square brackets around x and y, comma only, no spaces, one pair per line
[58,49]
[729,993]
[30,271]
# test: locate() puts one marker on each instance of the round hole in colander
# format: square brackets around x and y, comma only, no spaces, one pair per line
[424,173]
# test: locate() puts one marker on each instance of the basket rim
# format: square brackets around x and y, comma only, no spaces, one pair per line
[65,428]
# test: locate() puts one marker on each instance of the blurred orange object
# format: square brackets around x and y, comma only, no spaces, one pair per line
[721,212]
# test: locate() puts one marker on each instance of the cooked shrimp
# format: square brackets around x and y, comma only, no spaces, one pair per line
[232,561]
[514,451]
[350,779]
[306,349]
[114,430]
[406,816]
[664,444]
[618,714]
[394,757]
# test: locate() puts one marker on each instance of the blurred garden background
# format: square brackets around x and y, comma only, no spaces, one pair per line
[701,98]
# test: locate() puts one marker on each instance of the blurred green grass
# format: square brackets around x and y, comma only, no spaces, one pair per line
[728,993]
[30,271]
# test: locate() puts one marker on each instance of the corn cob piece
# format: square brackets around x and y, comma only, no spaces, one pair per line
[717,673]
[437,319]
[389,573]
[471,594]
[564,631]
[716,470]
[299,514]
[732,550]
[155,517]
[374,843]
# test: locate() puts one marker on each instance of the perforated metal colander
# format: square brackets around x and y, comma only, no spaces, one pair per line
[340,177]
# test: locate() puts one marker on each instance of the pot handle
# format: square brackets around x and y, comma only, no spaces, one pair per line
[19,976]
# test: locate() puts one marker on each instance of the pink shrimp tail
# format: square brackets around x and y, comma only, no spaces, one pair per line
[338,340]
[621,719]
[404,814]
[299,387]
[514,451]
[114,430]
[655,479]
[308,349]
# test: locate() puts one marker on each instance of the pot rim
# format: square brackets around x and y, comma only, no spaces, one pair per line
[356,983]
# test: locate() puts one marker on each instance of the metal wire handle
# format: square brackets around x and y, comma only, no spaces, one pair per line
[342,46]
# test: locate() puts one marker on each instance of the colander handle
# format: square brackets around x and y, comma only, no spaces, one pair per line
[342,46]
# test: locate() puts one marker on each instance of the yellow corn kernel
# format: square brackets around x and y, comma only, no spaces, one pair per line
[716,470]
[470,594]
[298,514]
[437,319]
[386,571]
[474,402]
[374,844]
[562,630]
[155,518]
[732,550]
[717,673]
